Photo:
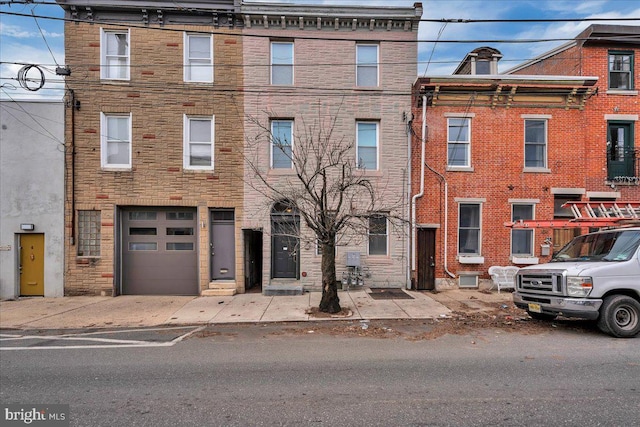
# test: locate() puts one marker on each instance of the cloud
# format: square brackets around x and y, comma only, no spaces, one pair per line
[513,53]
[15,31]
[13,54]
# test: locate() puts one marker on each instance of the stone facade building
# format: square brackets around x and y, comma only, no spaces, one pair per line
[154,148]
[335,69]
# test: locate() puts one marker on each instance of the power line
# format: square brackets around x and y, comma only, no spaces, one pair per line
[298,64]
[301,37]
[432,20]
[49,134]
[43,37]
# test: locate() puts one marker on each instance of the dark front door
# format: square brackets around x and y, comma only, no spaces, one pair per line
[620,150]
[285,250]
[252,259]
[222,246]
[426,255]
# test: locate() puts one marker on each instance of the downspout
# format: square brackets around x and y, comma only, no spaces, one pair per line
[446,221]
[408,194]
[73,168]
[421,192]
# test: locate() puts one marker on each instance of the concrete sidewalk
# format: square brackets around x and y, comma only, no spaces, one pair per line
[143,311]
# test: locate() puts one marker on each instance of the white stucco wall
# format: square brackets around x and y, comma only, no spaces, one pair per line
[31,189]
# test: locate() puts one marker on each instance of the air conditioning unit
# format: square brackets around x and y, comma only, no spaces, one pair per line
[468,279]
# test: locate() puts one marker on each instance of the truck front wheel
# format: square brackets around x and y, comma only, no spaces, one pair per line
[620,316]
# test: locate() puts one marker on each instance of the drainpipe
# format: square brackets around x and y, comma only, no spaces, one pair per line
[421,192]
[408,194]
[446,221]
[73,167]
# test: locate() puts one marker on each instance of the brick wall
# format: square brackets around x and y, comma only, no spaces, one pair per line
[157,99]
[606,105]
[576,159]
[498,176]
[325,89]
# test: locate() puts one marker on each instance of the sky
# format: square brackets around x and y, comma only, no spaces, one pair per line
[31,40]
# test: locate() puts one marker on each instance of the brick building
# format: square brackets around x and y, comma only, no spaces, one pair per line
[306,66]
[154,147]
[503,148]
[611,53]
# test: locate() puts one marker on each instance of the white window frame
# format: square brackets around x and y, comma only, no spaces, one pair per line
[104,67]
[377,144]
[386,234]
[186,150]
[104,142]
[523,231]
[189,62]
[368,64]
[466,144]
[545,120]
[479,228]
[282,64]
[273,147]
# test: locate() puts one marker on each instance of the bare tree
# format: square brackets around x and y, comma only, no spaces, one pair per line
[328,188]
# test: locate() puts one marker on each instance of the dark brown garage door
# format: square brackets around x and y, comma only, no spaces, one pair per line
[159,251]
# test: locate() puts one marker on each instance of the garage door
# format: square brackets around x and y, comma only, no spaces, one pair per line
[159,251]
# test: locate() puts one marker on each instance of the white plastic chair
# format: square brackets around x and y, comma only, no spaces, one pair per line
[503,277]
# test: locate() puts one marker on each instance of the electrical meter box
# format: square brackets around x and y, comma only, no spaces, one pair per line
[353,259]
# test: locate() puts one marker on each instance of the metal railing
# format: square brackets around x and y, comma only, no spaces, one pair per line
[631,156]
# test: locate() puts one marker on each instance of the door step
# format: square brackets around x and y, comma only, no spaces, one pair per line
[218,293]
[283,287]
[219,288]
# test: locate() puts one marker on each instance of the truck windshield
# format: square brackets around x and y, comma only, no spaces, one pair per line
[611,246]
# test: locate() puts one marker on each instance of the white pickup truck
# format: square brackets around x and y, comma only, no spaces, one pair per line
[595,276]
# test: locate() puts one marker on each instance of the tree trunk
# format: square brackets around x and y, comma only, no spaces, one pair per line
[330,302]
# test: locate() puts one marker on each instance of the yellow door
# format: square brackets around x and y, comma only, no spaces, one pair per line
[32,264]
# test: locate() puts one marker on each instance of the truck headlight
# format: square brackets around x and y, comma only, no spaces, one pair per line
[579,286]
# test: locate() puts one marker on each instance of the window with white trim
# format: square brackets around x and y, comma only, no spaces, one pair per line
[459,142]
[114,53]
[522,238]
[115,141]
[281,63]
[198,57]
[367,65]
[535,143]
[367,145]
[621,70]
[469,232]
[378,234]
[88,233]
[282,144]
[199,137]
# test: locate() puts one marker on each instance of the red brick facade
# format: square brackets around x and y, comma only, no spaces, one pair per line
[577,120]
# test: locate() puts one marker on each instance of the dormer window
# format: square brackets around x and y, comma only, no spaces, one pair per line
[480,61]
[483,66]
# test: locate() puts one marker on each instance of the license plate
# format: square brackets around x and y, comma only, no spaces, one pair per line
[535,308]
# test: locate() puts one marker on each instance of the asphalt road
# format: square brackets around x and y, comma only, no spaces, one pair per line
[315,375]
